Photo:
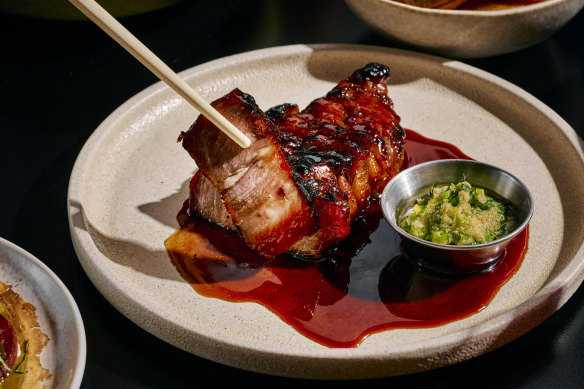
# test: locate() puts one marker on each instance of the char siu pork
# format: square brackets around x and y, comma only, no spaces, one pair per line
[307,174]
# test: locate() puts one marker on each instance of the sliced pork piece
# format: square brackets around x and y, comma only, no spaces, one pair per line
[255,183]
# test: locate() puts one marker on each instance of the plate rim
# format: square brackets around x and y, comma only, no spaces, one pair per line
[562,285]
[81,359]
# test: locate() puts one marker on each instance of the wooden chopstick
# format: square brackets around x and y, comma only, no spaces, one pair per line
[129,42]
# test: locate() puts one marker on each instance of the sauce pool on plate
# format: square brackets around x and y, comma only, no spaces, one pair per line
[369,284]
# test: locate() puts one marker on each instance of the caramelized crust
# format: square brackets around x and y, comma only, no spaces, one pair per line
[343,149]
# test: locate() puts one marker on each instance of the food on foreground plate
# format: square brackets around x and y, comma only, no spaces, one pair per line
[307,175]
[469,5]
[458,214]
[309,185]
[21,342]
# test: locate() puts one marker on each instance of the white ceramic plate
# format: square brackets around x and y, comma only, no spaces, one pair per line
[131,179]
[56,311]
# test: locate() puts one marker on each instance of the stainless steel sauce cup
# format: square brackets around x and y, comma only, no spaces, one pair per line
[451,259]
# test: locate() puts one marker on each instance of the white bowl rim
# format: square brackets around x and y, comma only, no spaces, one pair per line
[523,9]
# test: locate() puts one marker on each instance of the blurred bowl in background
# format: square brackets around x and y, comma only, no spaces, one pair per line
[466,33]
[63,10]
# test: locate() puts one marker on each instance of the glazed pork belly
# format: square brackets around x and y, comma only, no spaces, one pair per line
[331,160]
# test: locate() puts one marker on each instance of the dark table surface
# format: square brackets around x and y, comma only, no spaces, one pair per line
[59,80]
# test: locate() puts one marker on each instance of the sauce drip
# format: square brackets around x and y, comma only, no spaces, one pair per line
[370,285]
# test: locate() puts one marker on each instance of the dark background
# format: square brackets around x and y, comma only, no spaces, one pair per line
[60,79]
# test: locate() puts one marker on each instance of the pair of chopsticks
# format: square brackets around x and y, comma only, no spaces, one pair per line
[129,42]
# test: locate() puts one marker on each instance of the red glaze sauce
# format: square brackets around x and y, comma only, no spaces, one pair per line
[369,286]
